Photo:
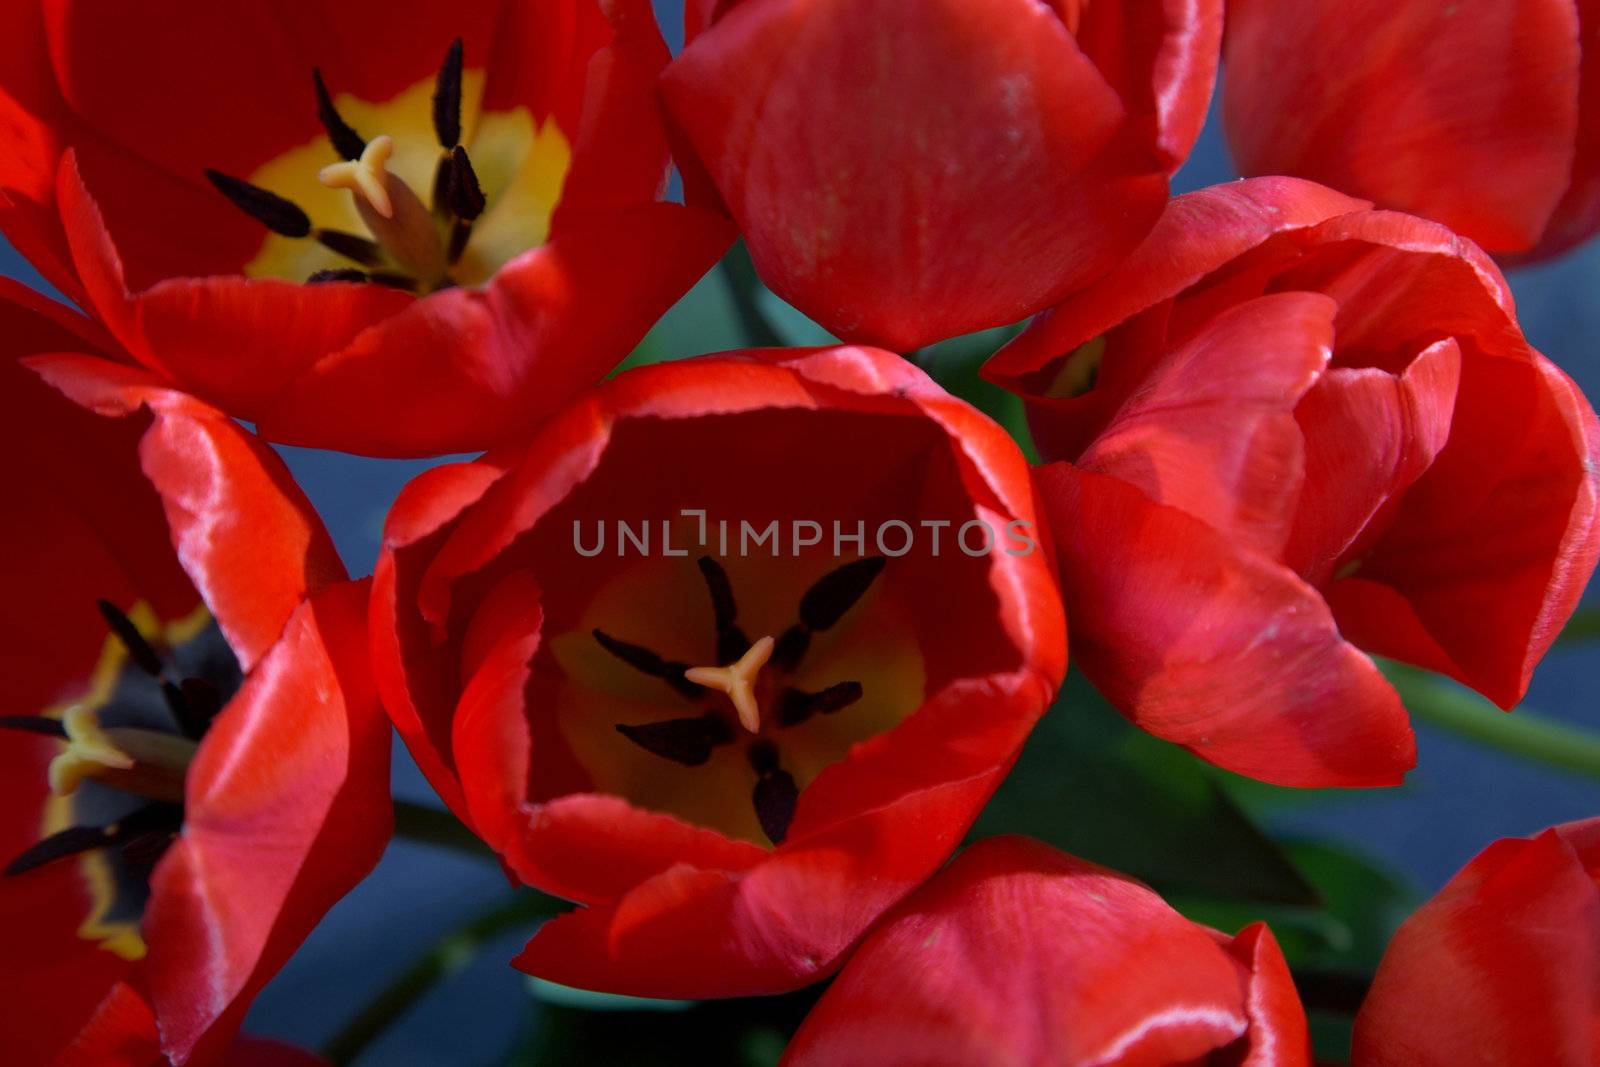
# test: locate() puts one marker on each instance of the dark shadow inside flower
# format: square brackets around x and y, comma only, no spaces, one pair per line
[117,783]
[718,684]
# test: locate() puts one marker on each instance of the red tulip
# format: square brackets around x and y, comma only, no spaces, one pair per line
[734,754]
[1290,429]
[1020,955]
[175,169]
[1501,967]
[909,170]
[1483,115]
[194,771]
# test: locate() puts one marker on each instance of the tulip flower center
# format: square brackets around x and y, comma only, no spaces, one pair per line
[426,204]
[117,782]
[731,745]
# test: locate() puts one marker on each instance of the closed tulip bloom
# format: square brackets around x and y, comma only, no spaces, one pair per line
[1017,955]
[1483,115]
[734,740]
[908,170]
[1288,434]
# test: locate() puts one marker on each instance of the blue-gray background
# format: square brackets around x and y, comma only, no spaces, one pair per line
[1460,797]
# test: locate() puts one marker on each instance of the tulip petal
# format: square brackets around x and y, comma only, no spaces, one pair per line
[833,131]
[1199,233]
[1213,647]
[1021,955]
[1499,967]
[1211,429]
[1464,113]
[287,808]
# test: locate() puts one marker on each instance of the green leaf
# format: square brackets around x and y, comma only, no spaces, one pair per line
[1094,786]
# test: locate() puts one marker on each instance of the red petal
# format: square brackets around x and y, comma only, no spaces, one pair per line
[1199,233]
[467,369]
[1214,647]
[1492,548]
[1577,217]
[1467,115]
[837,164]
[122,1033]
[1500,967]
[1369,435]
[1279,1035]
[287,808]
[244,531]
[1211,430]
[1023,955]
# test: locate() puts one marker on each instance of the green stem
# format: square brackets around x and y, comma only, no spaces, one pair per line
[435,826]
[1583,626]
[743,285]
[449,956]
[1520,733]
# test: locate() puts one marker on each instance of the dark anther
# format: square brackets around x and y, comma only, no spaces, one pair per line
[59,845]
[139,649]
[685,741]
[447,98]
[160,820]
[204,701]
[795,706]
[146,849]
[346,141]
[731,640]
[791,648]
[394,281]
[836,592]
[775,794]
[271,210]
[465,194]
[337,274]
[34,724]
[350,246]
[460,234]
[647,662]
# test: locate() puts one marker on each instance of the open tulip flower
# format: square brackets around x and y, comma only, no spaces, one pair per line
[1501,967]
[193,761]
[1021,955]
[1289,429]
[387,228]
[909,170]
[1483,115]
[734,754]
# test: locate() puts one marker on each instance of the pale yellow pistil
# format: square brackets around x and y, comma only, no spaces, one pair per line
[398,220]
[738,680]
[146,762]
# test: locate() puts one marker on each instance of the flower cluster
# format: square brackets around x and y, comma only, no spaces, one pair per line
[1272,432]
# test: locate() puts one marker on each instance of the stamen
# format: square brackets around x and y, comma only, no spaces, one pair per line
[824,604]
[138,761]
[775,795]
[128,634]
[685,741]
[365,252]
[365,176]
[60,845]
[271,210]
[346,141]
[731,641]
[738,680]
[339,274]
[447,97]
[645,661]
[465,194]
[836,592]
[795,706]
[34,724]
